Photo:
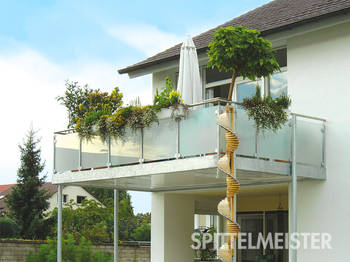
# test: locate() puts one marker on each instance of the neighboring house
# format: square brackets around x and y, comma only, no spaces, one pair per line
[312,43]
[75,193]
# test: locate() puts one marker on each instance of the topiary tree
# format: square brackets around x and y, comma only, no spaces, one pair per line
[243,52]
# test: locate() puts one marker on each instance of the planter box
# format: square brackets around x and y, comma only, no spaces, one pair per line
[172,112]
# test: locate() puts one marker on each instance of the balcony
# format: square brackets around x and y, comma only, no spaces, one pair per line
[182,154]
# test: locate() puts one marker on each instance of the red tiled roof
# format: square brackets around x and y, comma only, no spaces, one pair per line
[5,187]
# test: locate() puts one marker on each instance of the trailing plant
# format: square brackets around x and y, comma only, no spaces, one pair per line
[141,117]
[168,97]
[92,112]
[268,113]
[243,52]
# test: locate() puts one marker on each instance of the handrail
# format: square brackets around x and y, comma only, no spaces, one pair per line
[310,117]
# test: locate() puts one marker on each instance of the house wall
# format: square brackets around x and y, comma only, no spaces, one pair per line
[72,192]
[318,79]
[158,79]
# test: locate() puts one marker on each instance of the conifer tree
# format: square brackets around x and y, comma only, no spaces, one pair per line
[27,202]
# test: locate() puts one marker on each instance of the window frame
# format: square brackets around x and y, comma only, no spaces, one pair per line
[83,198]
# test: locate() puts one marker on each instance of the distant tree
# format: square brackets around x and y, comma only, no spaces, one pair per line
[104,195]
[127,219]
[243,52]
[142,232]
[26,202]
[95,221]
[143,218]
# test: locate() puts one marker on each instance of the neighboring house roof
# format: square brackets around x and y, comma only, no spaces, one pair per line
[4,188]
[272,17]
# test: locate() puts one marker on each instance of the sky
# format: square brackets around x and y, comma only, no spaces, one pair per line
[43,43]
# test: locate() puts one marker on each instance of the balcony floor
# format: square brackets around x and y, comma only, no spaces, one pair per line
[186,174]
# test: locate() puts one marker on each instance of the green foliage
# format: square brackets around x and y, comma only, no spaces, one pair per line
[243,52]
[8,228]
[90,220]
[94,221]
[74,96]
[209,252]
[92,112]
[106,195]
[71,252]
[141,117]
[142,233]
[268,113]
[168,97]
[127,219]
[27,202]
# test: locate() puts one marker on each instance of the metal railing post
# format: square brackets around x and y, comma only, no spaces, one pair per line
[218,132]
[116,226]
[80,154]
[294,185]
[109,158]
[141,160]
[324,140]
[54,154]
[178,154]
[59,224]
[256,142]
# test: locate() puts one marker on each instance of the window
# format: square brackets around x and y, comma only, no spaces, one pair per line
[278,84]
[217,83]
[65,198]
[246,89]
[80,199]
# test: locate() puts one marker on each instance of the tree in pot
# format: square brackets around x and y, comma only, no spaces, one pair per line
[243,52]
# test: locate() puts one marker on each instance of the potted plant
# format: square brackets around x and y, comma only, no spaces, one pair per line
[168,102]
[245,53]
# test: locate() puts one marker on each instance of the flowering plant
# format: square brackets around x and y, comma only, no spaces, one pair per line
[168,97]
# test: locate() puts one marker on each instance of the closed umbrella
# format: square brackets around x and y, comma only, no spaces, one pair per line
[189,84]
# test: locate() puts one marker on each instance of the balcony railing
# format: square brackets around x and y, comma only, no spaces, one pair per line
[193,136]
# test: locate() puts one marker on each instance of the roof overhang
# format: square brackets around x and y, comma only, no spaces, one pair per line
[278,36]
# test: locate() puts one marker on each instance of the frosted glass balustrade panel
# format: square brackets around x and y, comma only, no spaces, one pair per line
[309,137]
[160,140]
[198,132]
[126,150]
[275,145]
[67,152]
[94,153]
[246,131]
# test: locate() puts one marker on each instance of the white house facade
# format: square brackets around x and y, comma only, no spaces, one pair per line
[312,43]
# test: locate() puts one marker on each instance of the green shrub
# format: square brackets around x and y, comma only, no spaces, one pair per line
[168,97]
[71,252]
[8,228]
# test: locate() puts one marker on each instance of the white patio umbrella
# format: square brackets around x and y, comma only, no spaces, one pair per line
[189,84]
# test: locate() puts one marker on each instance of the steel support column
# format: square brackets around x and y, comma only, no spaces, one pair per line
[59,224]
[116,227]
[294,184]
